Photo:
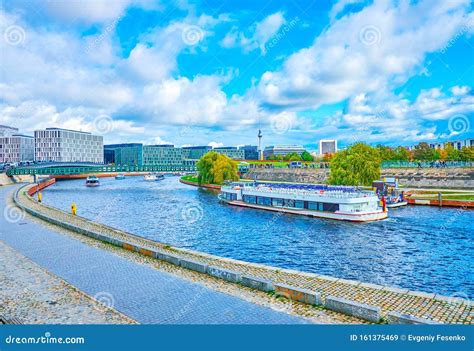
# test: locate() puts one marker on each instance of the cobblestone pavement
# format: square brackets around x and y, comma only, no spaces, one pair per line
[141,292]
[454,309]
[32,295]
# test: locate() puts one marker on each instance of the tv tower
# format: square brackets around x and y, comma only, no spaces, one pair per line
[260,155]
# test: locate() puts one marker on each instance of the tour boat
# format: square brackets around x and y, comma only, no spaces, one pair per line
[151,177]
[92,181]
[120,176]
[333,202]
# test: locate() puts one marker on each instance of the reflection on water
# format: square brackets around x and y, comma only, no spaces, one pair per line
[417,247]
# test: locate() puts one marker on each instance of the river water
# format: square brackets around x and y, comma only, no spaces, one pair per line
[418,247]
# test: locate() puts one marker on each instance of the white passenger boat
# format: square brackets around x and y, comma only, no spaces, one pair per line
[92,181]
[120,176]
[334,202]
[150,177]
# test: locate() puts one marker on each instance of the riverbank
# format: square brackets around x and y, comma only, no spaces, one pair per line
[193,181]
[31,295]
[388,299]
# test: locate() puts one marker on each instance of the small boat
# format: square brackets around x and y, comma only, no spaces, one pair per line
[120,176]
[160,177]
[150,177]
[388,190]
[92,181]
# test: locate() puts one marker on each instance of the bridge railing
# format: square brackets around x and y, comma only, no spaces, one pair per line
[71,170]
[426,164]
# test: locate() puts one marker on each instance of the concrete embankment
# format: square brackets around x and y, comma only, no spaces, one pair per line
[363,300]
[457,178]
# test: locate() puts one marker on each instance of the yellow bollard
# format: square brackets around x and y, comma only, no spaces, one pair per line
[73,209]
[40,197]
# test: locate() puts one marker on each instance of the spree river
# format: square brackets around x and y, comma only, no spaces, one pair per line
[418,247]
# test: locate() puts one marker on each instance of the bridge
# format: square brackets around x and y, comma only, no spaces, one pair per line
[86,168]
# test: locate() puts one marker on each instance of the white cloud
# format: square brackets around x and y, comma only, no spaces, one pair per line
[382,45]
[260,33]
[214,144]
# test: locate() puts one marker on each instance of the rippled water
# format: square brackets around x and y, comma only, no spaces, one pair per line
[418,247]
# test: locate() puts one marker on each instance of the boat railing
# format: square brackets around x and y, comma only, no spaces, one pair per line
[321,193]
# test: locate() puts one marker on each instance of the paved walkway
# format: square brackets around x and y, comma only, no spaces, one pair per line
[142,293]
[32,295]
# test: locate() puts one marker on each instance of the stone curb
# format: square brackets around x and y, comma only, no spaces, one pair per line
[352,308]
[400,318]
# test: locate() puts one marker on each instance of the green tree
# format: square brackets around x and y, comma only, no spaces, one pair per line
[386,153]
[467,153]
[423,152]
[402,154]
[215,168]
[306,156]
[359,164]
[452,154]
[293,156]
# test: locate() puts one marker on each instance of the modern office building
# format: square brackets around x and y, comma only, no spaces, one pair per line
[63,145]
[250,152]
[16,148]
[282,150]
[327,147]
[231,151]
[130,154]
[195,152]
[165,155]
[6,131]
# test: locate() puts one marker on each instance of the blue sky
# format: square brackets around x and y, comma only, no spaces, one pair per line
[200,72]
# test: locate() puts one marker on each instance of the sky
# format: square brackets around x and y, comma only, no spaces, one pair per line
[215,72]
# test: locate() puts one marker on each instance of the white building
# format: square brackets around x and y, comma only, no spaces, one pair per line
[62,145]
[6,131]
[457,144]
[16,148]
[282,150]
[327,147]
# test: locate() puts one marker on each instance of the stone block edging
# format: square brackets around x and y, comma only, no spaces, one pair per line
[400,318]
[352,308]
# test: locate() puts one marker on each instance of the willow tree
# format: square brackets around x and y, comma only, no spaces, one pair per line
[359,164]
[215,168]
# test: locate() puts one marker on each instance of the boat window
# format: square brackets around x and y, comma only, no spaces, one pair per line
[330,207]
[299,204]
[277,202]
[250,199]
[312,205]
[289,203]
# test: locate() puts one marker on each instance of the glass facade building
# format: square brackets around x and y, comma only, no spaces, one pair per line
[231,151]
[166,155]
[282,150]
[250,152]
[195,152]
[124,154]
